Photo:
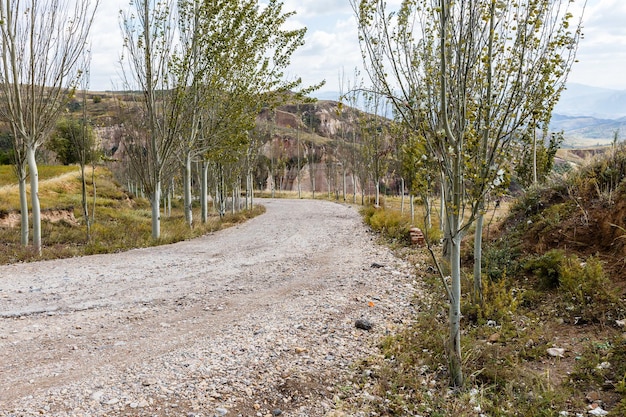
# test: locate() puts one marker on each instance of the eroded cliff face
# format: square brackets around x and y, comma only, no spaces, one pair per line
[301,145]
[307,136]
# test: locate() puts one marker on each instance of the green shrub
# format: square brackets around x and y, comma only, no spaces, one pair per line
[499,302]
[500,259]
[583,287]
[390,223]
[588,290]
[547,268]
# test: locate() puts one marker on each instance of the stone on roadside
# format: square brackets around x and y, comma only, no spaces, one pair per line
[598,411]
[363,324]
[556,352]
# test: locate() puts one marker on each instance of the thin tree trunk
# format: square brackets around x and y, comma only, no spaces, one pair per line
[402,195]
[427,206]
[93,187]
[478,238]
[442,204]
[84,200]
[454,348]
[170,196]
[345,185]
[251,191]
[23,206]
[313,178]
[377,193]
[187,190]
[534,154]
[156,211]
[204,192]
[34,197]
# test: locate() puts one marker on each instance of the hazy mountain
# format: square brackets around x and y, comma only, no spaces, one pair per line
[588,131]
[583,100]
[588,116]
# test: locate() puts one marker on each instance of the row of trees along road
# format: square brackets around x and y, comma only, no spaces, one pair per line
[199,73]
[205,70]
[42,49]
[466,78]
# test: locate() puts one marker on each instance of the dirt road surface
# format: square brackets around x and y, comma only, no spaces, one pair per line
[254,320]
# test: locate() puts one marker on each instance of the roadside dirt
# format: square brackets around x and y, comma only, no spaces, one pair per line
[254,320]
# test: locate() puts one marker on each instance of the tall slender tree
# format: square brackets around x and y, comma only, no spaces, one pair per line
[151,140]
[42,46]
[468,74]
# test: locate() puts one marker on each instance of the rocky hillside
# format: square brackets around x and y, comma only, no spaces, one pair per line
[320,138]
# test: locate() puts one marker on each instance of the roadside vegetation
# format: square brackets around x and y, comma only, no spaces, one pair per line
[549,337]
[122,221]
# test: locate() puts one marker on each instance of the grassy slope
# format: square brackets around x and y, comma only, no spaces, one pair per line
[554,278]
[122,221]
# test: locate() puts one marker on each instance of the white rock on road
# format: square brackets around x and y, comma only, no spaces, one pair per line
[252,319]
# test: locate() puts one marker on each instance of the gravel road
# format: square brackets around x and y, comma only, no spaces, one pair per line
[255,320]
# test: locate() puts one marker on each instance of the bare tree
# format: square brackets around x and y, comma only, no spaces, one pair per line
[42,43]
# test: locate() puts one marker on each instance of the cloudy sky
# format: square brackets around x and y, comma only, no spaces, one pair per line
[332,48]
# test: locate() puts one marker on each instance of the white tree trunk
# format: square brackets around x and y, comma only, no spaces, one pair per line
[251,191]
[427,206]
[442,205]
[156,211]
[23,206]
[478,241]
[187,190]
[34,197]
[345,185]
[454,353]
[534,155]
[204,193]
[95,193]
[402,195]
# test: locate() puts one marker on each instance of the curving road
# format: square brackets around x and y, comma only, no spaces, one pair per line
[215,323]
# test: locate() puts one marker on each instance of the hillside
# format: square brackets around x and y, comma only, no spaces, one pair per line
[585,131]
[588,116]
[549,336]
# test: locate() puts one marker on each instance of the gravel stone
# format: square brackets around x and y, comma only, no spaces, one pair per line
[250,319]
[363,324]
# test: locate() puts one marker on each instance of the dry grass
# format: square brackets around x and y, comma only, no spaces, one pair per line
[122,221]
[506,339]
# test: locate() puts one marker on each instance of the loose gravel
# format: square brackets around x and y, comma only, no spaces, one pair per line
[261,319]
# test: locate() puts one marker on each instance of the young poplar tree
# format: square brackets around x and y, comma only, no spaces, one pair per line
[152,136]
[231,62]
[467,75]
[42,45]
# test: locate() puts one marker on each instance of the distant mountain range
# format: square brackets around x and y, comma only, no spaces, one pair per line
[583,100]
[588,116]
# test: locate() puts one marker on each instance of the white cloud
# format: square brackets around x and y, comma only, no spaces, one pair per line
[106,41]
[315,8]
[602,51]
[327,54]
[332,45]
